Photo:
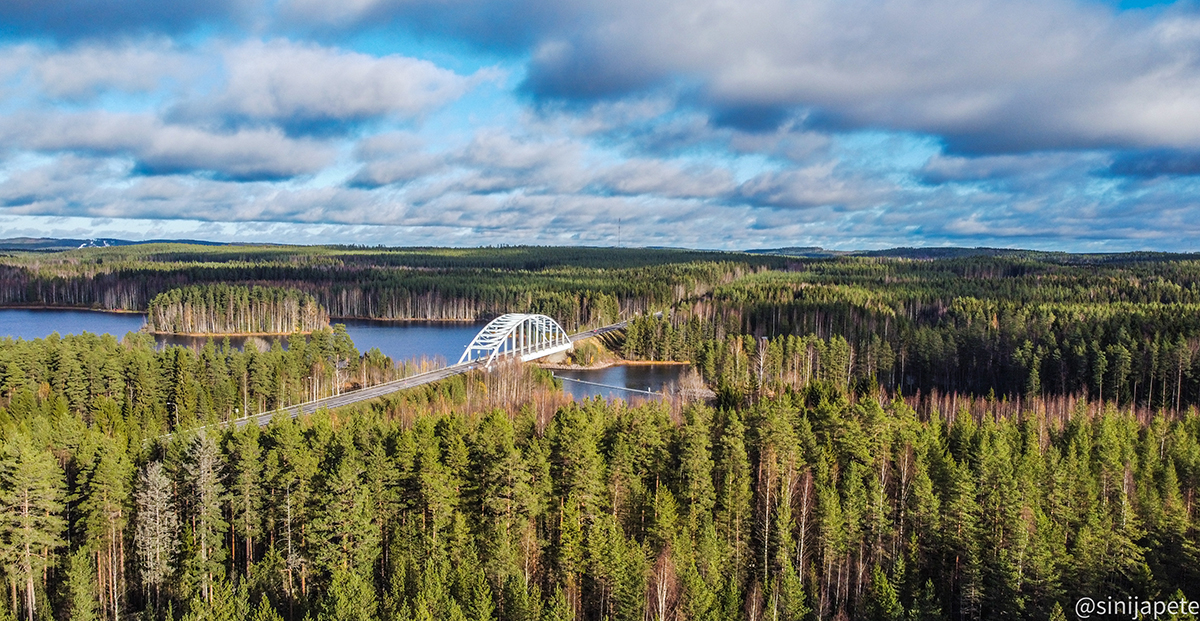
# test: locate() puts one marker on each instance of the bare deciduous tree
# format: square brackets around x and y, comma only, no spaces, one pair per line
[157,527]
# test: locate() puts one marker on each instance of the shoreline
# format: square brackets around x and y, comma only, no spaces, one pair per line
[115,311]
[224,334]
[612,363]
[332,319]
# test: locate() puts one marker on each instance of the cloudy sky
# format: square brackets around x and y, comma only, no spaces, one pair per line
[1051,124]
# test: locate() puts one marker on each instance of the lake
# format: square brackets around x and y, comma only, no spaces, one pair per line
[399,340]
[637,377]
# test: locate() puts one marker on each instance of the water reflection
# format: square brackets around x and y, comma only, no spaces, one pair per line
[636,376]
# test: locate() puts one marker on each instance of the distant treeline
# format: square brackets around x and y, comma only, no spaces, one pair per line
[1036,356]
[233,309]
[577,287]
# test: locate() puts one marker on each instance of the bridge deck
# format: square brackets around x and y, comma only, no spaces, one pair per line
[379,390]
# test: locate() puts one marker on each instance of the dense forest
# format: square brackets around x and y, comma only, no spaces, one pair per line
[1011,328]
[232,309]
[154,391]
[489,497]
[974,437]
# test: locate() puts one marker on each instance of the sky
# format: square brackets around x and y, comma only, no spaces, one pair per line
[847,124]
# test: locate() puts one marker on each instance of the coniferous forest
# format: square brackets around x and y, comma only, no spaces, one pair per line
[979,437]
[225,309]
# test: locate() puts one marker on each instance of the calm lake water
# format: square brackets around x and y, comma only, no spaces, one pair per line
[637,377]
[38,324]
[411,340]
[399,340]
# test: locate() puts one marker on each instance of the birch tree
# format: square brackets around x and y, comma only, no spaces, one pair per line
[157,528]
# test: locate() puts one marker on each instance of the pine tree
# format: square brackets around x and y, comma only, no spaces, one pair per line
[578,466]
[105,482]
[696,466]
[343,536]
[437,485]
[505,496]
[960,538]
[733,488]
[31,498]
[288,471]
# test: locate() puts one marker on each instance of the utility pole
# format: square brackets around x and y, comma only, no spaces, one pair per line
[618,232]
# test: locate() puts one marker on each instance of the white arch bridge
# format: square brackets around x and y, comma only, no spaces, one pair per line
[521,335]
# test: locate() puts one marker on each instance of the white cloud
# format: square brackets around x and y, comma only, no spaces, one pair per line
[284,137]
[661,178]
[988,74]
[165,148]
[288,83]
[814,186]
[395,157]
[88,70]
[324,11]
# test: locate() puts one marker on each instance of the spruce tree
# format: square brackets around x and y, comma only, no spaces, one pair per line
[81,586]
[351,597]
[203,466]
[882,602]
[245,489]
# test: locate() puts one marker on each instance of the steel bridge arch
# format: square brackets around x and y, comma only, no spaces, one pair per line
[517,334]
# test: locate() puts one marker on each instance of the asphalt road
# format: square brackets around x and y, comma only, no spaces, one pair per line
[598,331]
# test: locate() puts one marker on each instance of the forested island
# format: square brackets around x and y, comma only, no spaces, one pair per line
[221,309]
[975,437]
